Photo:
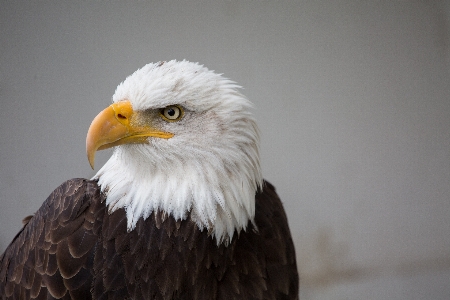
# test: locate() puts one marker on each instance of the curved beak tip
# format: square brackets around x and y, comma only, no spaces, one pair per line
[91,161]
[90,152]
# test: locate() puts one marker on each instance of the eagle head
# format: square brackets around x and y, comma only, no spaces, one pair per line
[185,144]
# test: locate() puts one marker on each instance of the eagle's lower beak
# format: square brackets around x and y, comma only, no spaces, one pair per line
[113,126]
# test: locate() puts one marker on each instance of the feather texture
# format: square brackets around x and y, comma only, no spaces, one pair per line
[72,248]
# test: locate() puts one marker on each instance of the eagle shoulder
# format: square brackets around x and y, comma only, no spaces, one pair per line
[276,244]
[52,253]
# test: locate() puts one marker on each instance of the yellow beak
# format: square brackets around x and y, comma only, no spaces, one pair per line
[113,126]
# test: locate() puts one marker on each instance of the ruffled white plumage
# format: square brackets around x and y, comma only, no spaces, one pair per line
[209,170]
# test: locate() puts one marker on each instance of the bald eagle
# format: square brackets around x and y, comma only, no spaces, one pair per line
[179,211]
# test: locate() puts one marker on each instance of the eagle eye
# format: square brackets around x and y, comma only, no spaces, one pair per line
[172,113]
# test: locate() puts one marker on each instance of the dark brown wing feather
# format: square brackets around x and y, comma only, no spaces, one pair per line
[73,249]
[52,256]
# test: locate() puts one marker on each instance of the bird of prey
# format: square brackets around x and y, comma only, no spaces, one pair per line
[179,211]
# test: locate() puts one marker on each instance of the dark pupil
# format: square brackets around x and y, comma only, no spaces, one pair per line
[171,112]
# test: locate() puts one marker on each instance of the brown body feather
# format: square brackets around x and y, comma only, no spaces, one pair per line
[73,249]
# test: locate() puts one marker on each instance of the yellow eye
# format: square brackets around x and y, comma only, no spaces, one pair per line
[172,113]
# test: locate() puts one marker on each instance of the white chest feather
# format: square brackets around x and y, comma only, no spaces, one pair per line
[217,197]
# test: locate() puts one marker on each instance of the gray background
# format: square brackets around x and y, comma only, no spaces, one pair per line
[352,98]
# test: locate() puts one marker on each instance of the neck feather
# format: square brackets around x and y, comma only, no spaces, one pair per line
[217,194]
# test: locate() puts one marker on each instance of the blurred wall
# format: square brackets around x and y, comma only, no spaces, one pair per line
[352,99]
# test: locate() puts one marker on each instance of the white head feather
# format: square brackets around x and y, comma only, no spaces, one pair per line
[209,170]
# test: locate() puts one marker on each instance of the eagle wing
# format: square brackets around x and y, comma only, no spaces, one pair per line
[276,244]
[52,255]
[73,249]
